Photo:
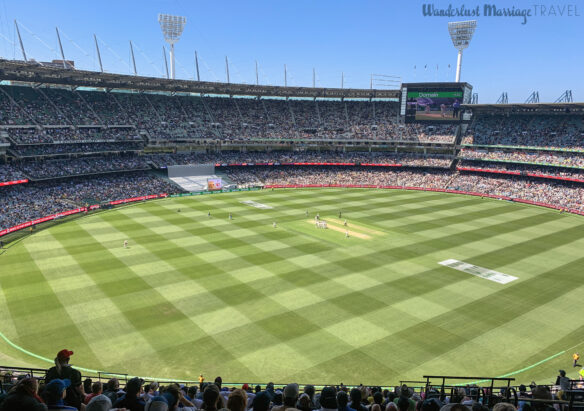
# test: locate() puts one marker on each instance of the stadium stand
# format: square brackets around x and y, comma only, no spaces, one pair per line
[28,202]
[563,194]
[91,116]
[287,157]
[56,133]
[528,130]
[558,172]
[10,173]
[63,149]
[560,158]
[81,166]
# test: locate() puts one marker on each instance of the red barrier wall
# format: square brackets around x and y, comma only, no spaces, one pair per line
[10,183]
[517,173]
[306,164]
[75,211]
[41,220]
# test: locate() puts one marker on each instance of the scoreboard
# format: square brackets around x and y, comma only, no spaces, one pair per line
[434,102]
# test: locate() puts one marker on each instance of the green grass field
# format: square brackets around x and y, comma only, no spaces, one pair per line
[251,302]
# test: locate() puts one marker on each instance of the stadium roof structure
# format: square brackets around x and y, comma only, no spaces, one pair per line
[38,75]
[527,108]
[33,72]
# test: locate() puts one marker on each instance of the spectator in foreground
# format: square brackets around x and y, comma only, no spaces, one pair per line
[96,389]
[261,402]
[431,404]
[304,403]
[479,407]
[55,393]
[277,399]
[523,391]
[456,407]
[343,401]
[87,386]
[540,392]
[377,399]
[24,397]
[150,391]
[356,400]
[219,382]
[192,396]
[131,400]
[174,396]
[504,406]
[237,400]
[403,403]
[564,383]
[99,403]
[289,396]
[405,393]
[365,396]
[159,403]
[111,390]
[328,399]
[63,371]
[211,398]
[310,391]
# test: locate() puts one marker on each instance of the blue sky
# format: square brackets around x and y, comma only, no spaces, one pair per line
[353,37]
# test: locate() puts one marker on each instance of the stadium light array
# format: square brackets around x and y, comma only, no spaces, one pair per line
[172,28]
[461,34]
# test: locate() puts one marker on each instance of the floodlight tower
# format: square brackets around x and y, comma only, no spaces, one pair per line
[172,27]
[461,33]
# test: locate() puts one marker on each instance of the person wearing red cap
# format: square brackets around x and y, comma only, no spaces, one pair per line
[62,370]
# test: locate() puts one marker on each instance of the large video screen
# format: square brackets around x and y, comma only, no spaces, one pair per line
[439,105]
[214,184]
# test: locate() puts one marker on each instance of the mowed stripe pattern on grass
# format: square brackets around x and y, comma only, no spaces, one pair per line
[248,301]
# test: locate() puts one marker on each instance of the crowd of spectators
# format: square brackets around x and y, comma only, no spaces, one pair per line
[241,119]
[565,195]
[58,168]
[551,131]
[52,106]
[443,133]
[237,157]
[193,117]
[22,203]
[430,178]
[567,159]
[27,105]
[524,168]
[88,148]
[33,135]
[10,173]
[81,166]
[27,394]
[562,194]
[26,202]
